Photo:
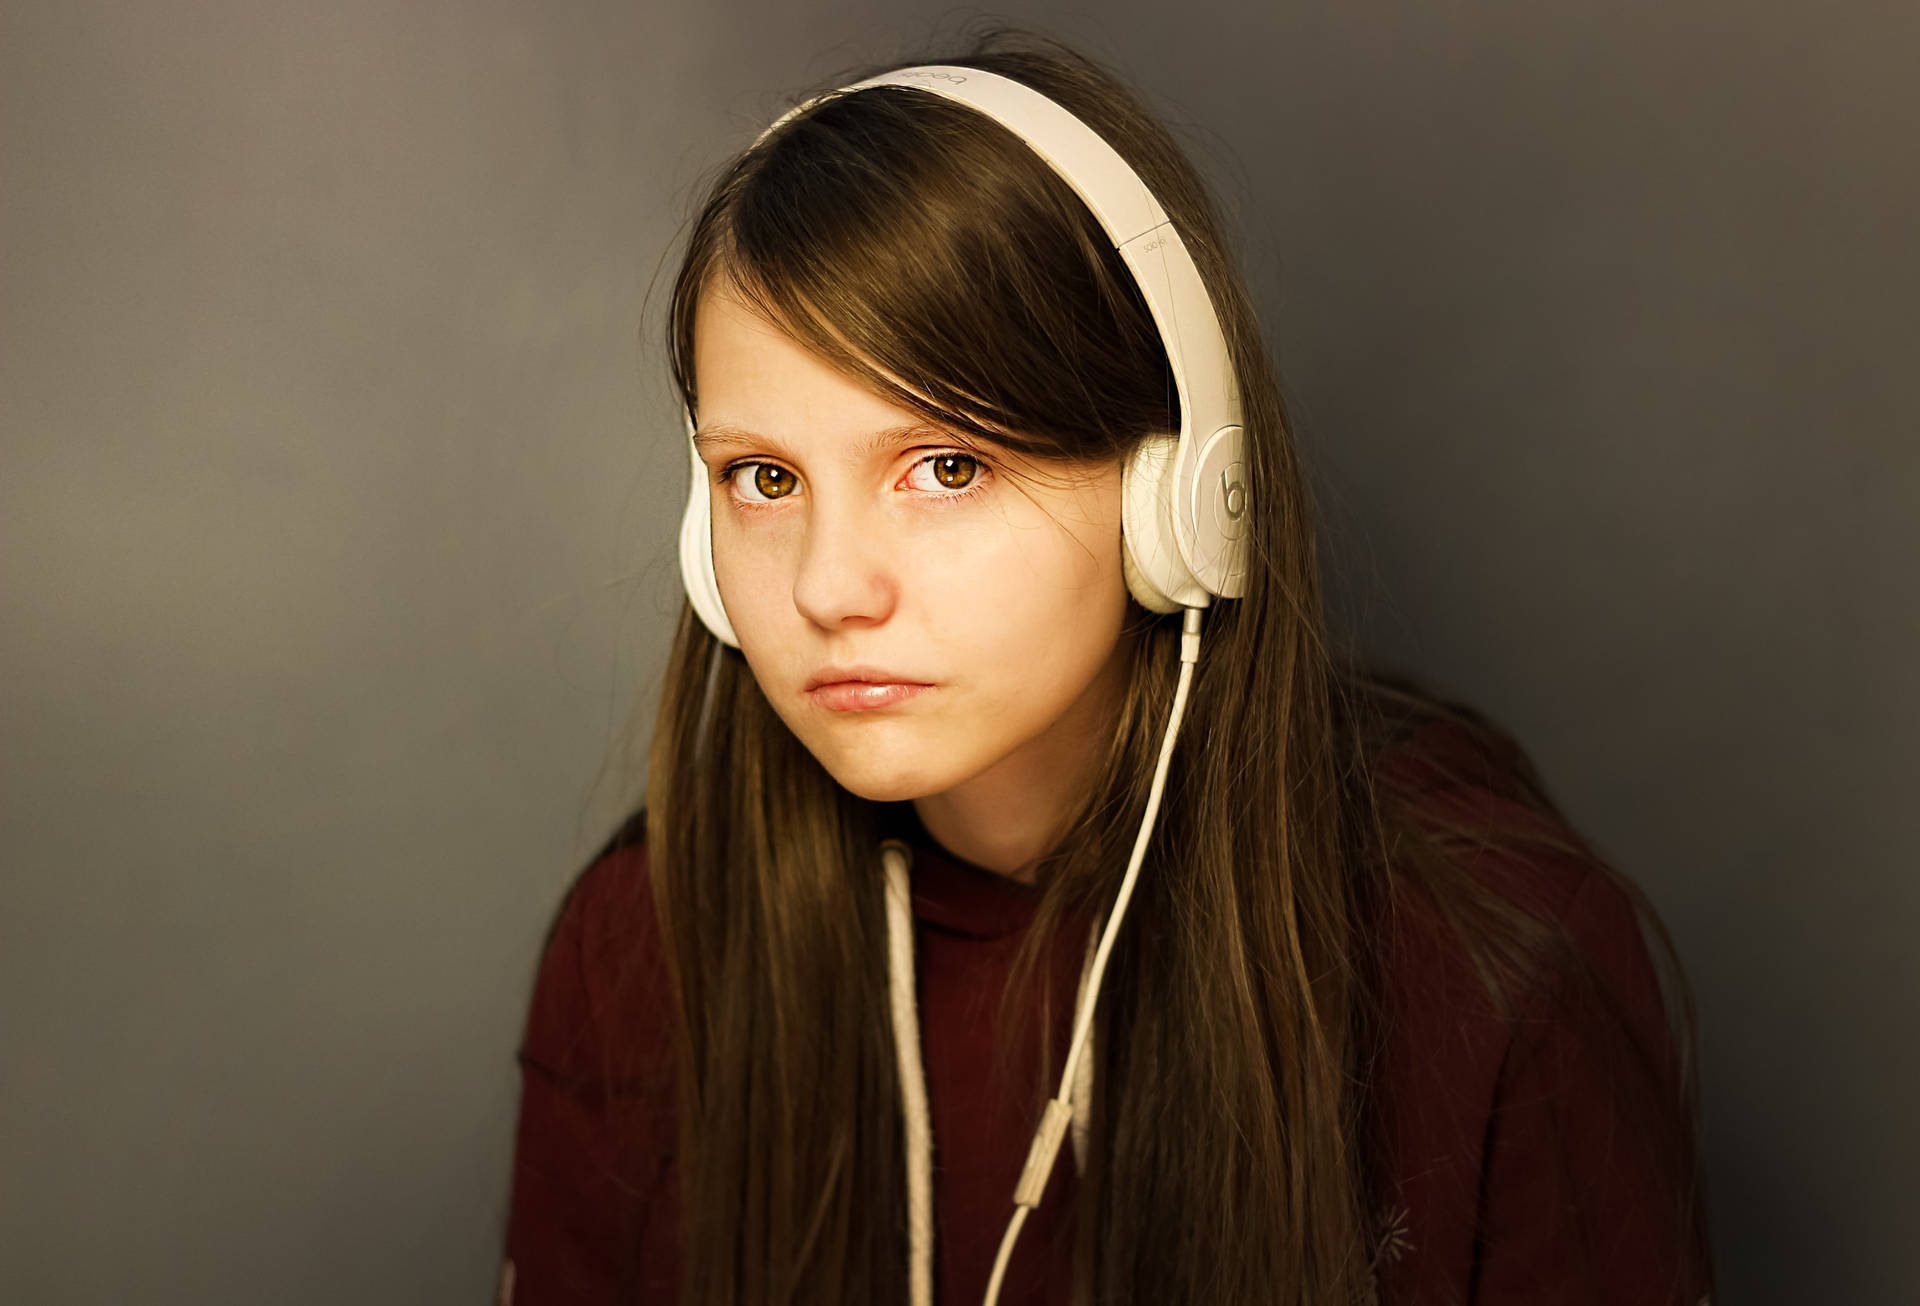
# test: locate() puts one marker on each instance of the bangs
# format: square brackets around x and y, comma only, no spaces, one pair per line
[773,296]
[926,252]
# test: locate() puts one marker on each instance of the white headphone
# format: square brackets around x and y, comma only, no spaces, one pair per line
[1183,542]
[1184,498]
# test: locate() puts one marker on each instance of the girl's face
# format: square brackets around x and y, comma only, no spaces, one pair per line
[846,540]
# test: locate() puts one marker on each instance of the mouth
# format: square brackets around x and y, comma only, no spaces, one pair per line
[863,695]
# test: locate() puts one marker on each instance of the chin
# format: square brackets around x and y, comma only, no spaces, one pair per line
[880,789]
[881,777]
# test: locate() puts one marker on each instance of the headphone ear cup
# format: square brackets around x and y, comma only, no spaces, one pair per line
[696,557]
[1156,574]
[1140,587]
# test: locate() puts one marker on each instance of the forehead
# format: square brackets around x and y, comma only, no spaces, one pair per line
[753,377]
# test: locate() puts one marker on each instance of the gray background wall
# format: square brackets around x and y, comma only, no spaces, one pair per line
[337,494]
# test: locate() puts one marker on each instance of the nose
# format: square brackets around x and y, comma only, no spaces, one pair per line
[845,574]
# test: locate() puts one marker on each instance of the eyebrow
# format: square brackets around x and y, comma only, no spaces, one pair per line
[723,436]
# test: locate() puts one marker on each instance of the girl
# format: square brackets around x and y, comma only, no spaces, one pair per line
[971,817]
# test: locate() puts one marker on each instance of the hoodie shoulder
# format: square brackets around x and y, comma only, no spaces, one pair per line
[601,1013]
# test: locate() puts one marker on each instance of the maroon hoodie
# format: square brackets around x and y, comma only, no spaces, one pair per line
[1512,1170]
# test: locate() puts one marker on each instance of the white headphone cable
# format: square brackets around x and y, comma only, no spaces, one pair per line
[1070,1106]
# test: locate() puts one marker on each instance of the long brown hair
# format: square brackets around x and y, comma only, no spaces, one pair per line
[926,252]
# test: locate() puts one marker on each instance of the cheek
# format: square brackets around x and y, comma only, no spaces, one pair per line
[1046,602]
[751,574]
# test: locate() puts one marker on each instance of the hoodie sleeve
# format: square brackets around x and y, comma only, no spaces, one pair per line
[591,1212]
[1582,1200]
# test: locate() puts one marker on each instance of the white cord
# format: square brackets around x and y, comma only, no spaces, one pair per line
[897,858]
[1046,1140]
[1069,1109]
[913,1081]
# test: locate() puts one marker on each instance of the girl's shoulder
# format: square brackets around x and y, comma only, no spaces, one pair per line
[1517,1137]
[601,1011]
[1500,891]
[593,1189]
[1471,793]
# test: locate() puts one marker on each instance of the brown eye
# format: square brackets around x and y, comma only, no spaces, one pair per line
[955,470]
[772,482]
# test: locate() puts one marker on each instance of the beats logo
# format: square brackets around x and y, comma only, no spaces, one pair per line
[1233,491]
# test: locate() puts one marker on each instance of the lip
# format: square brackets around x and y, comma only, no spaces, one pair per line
[871,675]
[863,695]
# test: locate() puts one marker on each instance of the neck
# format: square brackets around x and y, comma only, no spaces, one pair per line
[1010,815]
